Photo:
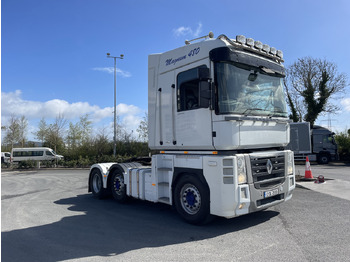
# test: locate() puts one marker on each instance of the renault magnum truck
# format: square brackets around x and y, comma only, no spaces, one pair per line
[217,115]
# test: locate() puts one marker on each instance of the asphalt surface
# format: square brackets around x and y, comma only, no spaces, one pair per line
[337,179]
[49,216]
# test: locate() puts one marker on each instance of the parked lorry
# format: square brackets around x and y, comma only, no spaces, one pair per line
[217,115]
[317,143]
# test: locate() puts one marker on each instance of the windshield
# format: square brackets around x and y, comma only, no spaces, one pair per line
[248,90]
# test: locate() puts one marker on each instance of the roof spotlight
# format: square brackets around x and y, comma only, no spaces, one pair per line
[241,39]
[250,42]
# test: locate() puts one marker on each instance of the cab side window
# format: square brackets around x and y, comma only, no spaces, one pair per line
[188,91]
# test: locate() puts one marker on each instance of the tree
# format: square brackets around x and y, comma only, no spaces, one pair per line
[41,134]
[79,133]
[101,143]
[343,142]
[13,134]
[143,128]
[312,82]
[295,116]
[86,126]
[74,136]
[23,126]
[55,133]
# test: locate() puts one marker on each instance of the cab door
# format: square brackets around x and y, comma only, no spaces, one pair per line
[193,125]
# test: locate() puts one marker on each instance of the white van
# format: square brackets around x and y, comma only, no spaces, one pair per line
[5,157]
[34,153]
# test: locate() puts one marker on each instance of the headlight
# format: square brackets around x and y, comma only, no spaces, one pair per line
[290,162]
[241,170]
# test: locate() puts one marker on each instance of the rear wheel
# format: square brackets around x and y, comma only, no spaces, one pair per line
[191,198]
[118,187]
[96,184]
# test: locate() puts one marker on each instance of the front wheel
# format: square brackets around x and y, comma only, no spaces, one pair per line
[323,159]
[191,198]
[118,186]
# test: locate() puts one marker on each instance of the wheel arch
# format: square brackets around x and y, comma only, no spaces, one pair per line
[103,169]
[180,172]
[122,167]
[90,174]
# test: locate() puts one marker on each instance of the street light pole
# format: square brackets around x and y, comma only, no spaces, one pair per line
[115,101]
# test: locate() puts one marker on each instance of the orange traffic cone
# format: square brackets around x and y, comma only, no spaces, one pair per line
[308,173]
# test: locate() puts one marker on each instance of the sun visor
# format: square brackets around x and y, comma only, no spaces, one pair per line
[231,55]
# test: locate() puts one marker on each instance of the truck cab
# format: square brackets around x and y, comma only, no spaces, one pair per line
[324,145]
[214,95]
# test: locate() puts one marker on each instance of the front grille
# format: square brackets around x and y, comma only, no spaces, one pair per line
[267,172]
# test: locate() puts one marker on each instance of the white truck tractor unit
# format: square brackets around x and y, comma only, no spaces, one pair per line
[217,115]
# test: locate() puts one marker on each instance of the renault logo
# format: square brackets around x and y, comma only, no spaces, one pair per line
[269,166]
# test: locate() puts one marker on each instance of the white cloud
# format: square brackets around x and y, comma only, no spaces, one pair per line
[198,30]
[182,31]
[131,123]
[123,109]
[110,70]
[188,31]
[346,103]
[12,103]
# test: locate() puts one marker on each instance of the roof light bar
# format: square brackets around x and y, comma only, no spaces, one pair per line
[255,46]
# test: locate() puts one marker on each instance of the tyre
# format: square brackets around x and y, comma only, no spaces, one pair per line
[323,159]
[96,184]
[118,187]
[192,200]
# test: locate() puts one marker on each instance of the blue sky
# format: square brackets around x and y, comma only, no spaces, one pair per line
[53,52]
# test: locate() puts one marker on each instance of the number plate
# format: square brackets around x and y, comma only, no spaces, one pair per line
[271,193]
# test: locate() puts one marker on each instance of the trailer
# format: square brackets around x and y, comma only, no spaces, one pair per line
[217,116]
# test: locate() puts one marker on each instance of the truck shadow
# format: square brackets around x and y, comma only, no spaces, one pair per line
[107,228]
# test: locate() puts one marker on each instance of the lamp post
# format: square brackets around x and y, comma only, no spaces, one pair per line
[115,101]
